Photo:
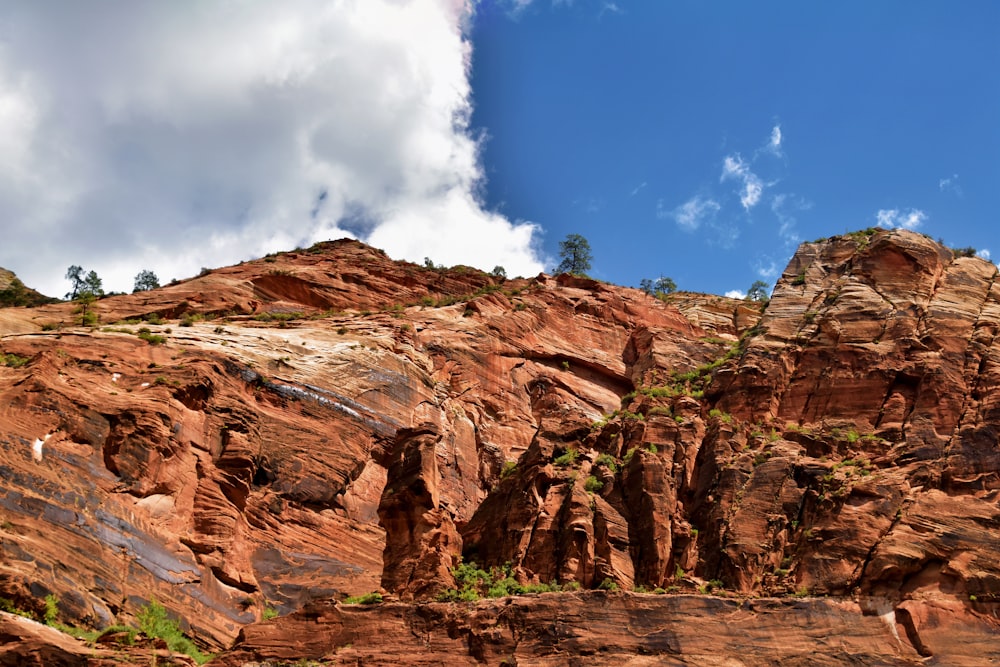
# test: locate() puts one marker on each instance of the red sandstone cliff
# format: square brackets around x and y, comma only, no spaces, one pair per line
[328,422]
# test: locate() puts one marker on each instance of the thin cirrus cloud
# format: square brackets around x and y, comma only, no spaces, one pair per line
[172,136]
[893,217]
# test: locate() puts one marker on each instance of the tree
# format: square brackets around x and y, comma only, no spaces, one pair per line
[575,254]
[145,280]
[659,288]
[74,274]
[758,291]
[498,272]
[15,294]
[89,283]
[93,284]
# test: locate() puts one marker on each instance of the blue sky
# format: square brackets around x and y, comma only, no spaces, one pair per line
[697,140]
[705,140]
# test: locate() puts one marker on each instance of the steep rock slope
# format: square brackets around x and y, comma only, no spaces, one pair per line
[285,444]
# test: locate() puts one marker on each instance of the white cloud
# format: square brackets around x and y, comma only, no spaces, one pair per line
[734,168]
[769,270]
[950,184]
[609,8]
[692,213]
[773,145]
[984,253]
[776,138]
[785,208]
[172,136]
[735,294]
[637,188]
[893,217]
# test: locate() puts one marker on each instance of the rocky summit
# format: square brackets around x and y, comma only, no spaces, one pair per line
[328,457]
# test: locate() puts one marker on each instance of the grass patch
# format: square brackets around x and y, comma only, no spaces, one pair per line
[13,360]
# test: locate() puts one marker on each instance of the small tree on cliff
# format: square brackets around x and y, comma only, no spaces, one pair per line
[758,291]
[145,280]
[575,254]
[81,283]
[659,288]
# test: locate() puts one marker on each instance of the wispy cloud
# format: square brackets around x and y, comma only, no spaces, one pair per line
[785,207]
[773,145]
[609,8]
[735,168]
[637,188]
[984,253]
[950,184]
[767,268]
[516,7]
[691,214]
[590,204]
[893,217]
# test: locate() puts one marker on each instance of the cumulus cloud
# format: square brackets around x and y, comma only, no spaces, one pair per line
[691,214]
[734,168]
[736,294]
[893,217]
[984,253]
[171,136]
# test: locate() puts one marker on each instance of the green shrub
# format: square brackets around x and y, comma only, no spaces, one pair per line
[608,461]
[472,583]
[593,485]
[13,360]
[608,585]
[567,459]
[51,609]
[153,339]
[154,622]
[368,598]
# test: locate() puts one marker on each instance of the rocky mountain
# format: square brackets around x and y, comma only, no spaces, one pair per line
[13,292]
[694,480]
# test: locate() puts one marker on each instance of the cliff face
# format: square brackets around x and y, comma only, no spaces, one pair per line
[328,422]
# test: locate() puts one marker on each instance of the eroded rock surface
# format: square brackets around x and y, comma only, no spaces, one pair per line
[328,422]
[597,628]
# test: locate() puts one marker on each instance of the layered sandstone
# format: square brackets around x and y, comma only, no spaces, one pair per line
[328,422]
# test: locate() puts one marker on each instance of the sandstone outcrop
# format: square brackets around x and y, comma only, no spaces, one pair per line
[328,422]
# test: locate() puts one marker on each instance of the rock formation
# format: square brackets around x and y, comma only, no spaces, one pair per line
[277,435]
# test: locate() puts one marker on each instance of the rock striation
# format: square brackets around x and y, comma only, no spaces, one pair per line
[270,437]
